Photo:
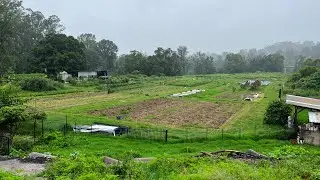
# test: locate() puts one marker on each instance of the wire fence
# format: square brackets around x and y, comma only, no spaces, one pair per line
[70,126]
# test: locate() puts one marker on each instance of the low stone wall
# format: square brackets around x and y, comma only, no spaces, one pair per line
[311,137]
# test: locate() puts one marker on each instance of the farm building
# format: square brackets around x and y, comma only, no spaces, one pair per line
[89,74]
[64,76]
[309,133]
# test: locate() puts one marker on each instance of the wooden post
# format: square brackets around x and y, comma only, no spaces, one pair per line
[280,94]
[166,137]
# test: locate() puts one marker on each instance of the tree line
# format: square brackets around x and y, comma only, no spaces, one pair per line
[31,42]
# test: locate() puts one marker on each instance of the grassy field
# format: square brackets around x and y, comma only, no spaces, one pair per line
[212,120]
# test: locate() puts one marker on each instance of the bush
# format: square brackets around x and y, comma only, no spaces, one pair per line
[9,176]
[72,81]
[24,143]
[256,85]
[77,168]
[307,71]
[277,113]
[40,84]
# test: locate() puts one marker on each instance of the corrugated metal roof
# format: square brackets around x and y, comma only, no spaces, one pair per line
[310,103]
[314,117]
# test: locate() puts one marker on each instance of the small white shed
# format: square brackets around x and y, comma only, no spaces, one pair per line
[86,75]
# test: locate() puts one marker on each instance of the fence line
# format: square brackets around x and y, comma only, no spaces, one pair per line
[172,135]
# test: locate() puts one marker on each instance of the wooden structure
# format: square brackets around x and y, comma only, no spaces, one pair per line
[309,132]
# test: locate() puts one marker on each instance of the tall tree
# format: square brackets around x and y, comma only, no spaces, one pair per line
[33,28]
[107,50]
[11,12]
[235,63]
[182,52]
[93,58]
[203,64]
[57,53]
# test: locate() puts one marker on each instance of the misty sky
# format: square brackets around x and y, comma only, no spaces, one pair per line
[206,25]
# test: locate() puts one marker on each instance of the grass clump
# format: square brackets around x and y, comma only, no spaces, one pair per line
[40,84]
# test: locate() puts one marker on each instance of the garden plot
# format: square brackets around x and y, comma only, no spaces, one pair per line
[174,112]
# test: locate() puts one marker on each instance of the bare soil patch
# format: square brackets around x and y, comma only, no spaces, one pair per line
[175,112]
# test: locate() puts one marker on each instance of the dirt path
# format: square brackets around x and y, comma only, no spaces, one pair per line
[16,166]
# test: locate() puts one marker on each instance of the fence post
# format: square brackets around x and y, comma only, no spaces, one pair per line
[75,127]
[222,133]
[166,138]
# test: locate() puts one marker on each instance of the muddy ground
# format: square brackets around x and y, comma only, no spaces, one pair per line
[174,112]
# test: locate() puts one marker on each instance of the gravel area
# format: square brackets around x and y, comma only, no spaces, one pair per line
[16,166]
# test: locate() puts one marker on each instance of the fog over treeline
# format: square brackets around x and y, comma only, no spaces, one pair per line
[31,42]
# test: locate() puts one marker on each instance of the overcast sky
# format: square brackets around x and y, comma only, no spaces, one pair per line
[206,25]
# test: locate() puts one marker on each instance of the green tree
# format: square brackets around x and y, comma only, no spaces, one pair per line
[273,63]
[9,95]
[202,63]
[93,59]
[182,52]
[33,29]
[277,113]
[107,50]
[134,62]
[57,53]
[235,63]
[11,12]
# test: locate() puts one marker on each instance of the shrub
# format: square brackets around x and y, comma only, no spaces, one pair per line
[307,71]
[72,81]
[256,85]
[9,176]
[40,84]
[288,151]
[80,167]
[277,113]
[24,143]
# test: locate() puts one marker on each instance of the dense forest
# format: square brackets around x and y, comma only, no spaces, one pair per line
[31,42]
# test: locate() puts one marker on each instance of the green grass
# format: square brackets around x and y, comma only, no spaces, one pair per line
[244,130]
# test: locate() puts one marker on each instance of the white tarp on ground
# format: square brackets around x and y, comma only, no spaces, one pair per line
[314,117]
[195,91]
[96,128]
